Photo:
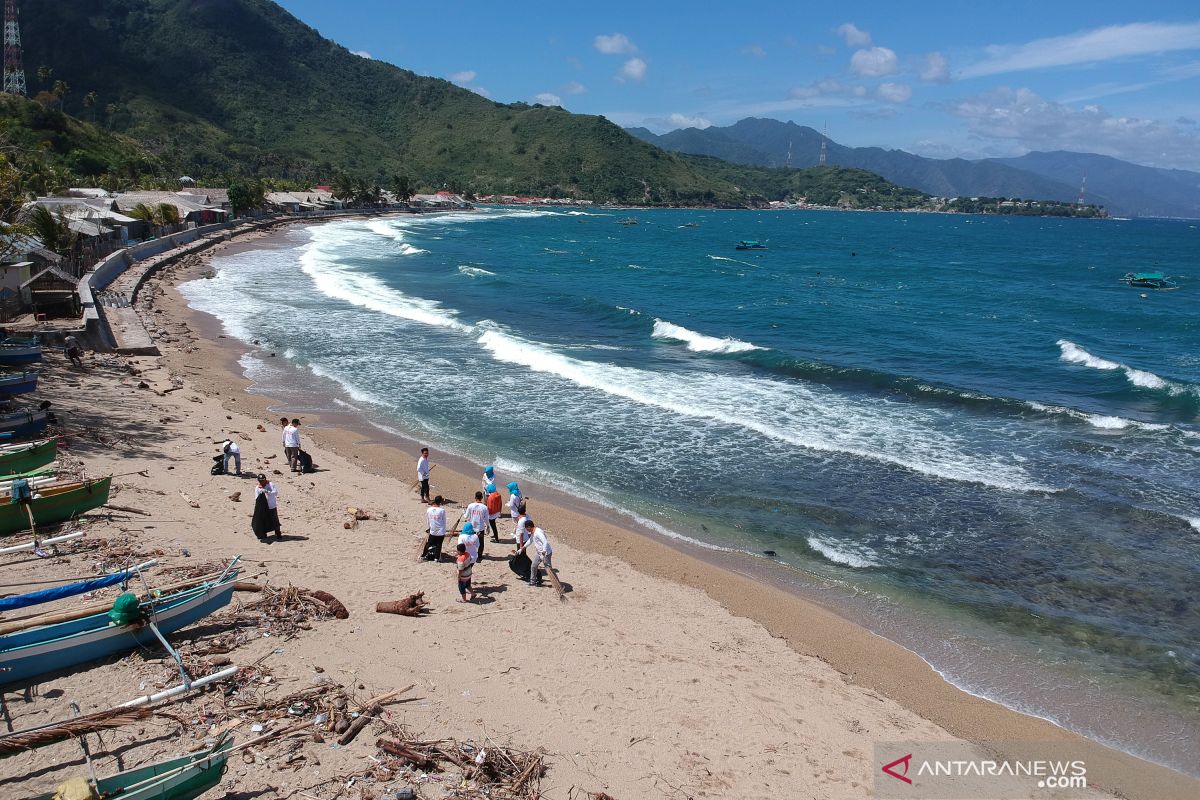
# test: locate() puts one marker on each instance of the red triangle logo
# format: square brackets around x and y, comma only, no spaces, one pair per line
[903,776]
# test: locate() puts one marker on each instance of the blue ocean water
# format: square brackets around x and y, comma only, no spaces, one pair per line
[967,420]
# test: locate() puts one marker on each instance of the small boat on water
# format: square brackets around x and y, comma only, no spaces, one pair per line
[750,244]
[690,225]
[627,221]
[18,383]
[1148,280]
[12,354]
[27,457]
[23,424]
[182,778]
[29,652]
[55,503]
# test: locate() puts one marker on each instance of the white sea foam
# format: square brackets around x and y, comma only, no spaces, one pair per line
[631,311]
[1103,421]
[367,291]
[809,417]
[839,554]
[1074,354]
[698,342]
[1195,523]
[734,260]
[474,272]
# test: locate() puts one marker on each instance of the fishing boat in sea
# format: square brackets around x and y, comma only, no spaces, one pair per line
[54,503]
[1148,280]
[54,642]
[18,383]
[627,221]
[750,244]
[13,354]
[23,424]
[182,778]
[22,458]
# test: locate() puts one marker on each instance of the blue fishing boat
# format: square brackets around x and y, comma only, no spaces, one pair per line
[27,654]
[18,383]
[13,602]
[750,244]
[23,425]
[13,354]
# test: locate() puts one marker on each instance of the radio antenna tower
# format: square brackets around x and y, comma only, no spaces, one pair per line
[14,67]
[1082,189]
[824,136]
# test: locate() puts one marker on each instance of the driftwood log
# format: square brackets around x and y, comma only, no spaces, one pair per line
[335,605]
[411,606]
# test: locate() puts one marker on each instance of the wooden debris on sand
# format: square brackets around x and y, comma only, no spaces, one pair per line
[489,772]
[412,606]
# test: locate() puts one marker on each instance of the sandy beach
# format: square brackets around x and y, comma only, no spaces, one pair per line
[661,673]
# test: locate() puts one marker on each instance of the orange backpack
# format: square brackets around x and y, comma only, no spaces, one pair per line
[494,503]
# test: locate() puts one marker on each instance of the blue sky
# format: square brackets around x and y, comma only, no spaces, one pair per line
[940,79]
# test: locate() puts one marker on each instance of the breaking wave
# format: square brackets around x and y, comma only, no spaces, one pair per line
[1074,354]
[698,342]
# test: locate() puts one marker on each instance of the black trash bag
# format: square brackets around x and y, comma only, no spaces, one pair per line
[218,467]
[306,462]
[520,564]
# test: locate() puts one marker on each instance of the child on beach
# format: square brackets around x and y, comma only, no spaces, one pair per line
[464,566]
[494,503]
[437,530]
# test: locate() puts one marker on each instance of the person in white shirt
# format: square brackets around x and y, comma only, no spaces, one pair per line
[489,476]
[291,443]
[231,450]
[437,530]
[423,469]
[470,538]
[542,551]
[477,517]
[266,510]
[516,508]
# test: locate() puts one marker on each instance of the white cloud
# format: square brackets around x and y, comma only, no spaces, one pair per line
[934,68]
[1022,117]
[479,90]
[633,70]
[755,50]
[616,44]
[547,99]
[828,88]
[852,35]
[675,121]
[894,92]
[361,53]
[573,87]
[874,62]
[1099,44]
[466,76]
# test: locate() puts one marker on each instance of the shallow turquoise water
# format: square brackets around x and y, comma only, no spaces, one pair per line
[967,417]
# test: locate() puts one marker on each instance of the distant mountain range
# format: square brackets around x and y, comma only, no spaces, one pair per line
[1123,188]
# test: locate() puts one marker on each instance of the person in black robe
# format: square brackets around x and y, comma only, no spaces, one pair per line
[266,512]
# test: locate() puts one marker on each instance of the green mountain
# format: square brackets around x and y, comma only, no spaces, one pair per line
[771,143]
[240,87]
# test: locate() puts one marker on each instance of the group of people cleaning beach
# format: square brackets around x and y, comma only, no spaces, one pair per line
[533,549]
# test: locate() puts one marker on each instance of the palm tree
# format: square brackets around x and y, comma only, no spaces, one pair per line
[146,214]
[52,230]
[168,214]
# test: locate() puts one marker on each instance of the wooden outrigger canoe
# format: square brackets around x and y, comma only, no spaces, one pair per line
[29,653]
[27,458]
[182,778]
[18,383]
[23,424]
[55,503]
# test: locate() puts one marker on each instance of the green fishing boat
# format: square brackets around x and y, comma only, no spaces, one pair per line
[57,503]
[182,778]
[28,457]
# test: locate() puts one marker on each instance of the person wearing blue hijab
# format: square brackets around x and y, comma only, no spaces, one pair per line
[489,476]
[469,538]
[516,506]
[494,504]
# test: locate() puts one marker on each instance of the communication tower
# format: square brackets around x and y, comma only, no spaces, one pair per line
[824,136]
[14,67]
[1082,189]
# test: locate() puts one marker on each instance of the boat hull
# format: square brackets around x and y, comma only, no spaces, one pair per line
[184,778]
[23,425]
[55,505]
[19,354]
[27,654]
[27,459]
[23,383]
